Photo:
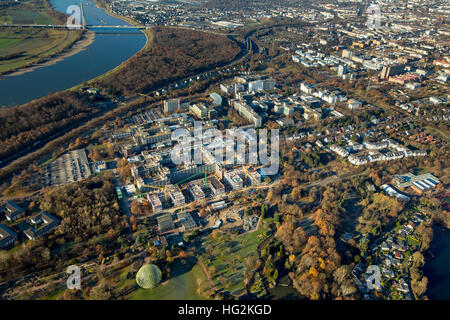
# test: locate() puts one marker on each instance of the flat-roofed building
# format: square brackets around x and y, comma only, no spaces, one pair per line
[216,186]
[171,105]
[199,109]
[7,236]
[196,191]
[357,159]
[419,183]
[99,166]
[218,205]
[354,104]
[176,196]
[233,179]
[248,113]
[186,220]
[130,189]
[253,176]
[376,145]
[165,223]
[155,201]
[227,89]
[43,223]
[389,71]
[12,211]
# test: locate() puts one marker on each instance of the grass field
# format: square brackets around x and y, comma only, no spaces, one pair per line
[228,258]
[8,42]
[183,286]
[26,16]
[21,47]
[31,46]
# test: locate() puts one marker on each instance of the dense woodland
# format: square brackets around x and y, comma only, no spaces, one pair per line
[316,268]
[173,54]
[87,209]
[90,221]
[24,125]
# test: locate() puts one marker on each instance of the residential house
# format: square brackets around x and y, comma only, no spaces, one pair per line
[402,286]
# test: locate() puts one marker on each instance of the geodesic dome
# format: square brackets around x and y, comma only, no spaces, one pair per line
[148,276]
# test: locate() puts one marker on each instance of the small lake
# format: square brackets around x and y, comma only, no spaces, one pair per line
[109,49]
[283,291]
[438,268]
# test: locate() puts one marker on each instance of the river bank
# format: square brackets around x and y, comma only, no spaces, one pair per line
[148,40]
[101,5]
[100,52]
[86,39]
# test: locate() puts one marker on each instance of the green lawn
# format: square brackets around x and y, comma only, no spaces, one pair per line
[32,45]
[7,42]
[26,45]
[181,287]
[228,258]
[25,16]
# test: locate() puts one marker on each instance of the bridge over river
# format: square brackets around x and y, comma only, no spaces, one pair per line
[63,26]
[83,25]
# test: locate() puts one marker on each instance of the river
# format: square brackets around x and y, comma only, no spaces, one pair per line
[109,49]
[437,269]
